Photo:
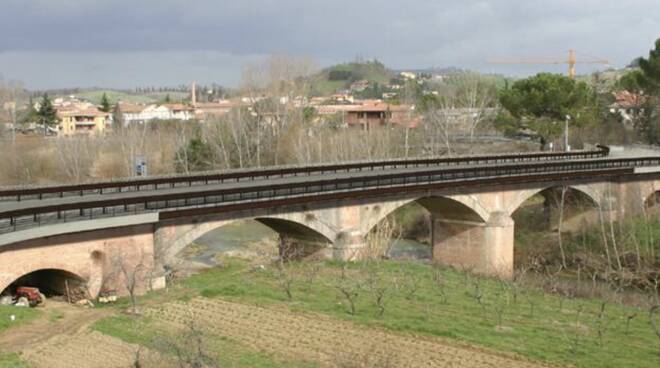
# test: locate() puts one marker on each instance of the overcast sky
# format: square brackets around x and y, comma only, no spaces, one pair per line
[128,43]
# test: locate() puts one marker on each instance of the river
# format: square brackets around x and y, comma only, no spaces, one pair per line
[251,236]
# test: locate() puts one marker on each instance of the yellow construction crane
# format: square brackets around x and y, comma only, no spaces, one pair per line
[571,61]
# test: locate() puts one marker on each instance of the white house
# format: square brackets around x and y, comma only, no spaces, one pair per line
[140,114]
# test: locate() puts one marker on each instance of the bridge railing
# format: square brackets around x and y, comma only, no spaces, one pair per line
[353,187]
[156,183]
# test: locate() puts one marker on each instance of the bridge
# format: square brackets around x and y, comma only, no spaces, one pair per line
[93,233]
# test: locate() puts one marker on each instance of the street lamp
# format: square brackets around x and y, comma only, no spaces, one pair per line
[566,147]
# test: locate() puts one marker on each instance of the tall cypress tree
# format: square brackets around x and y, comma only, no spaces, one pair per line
[47,113]
[105,103]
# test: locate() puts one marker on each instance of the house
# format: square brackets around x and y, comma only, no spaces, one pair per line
[81,119]
[180,111]
[408,75]
[359,86]
[373,114]
[627,104]
[209,110]
[140,114]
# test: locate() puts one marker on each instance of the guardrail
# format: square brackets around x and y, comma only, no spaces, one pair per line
[352,187]
[18,194]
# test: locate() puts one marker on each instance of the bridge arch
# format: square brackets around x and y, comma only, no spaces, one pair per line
[466,207]
[649,193]
[299,226]
[524,195]
[54,279]
[461,232]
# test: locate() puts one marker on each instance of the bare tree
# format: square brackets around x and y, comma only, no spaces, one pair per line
[76,156]
[189,347]
[130,141]
[476,96]
[380,240]
[440,122]
[349,288]
[131,271]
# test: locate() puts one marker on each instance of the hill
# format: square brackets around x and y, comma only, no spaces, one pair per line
[94,95]
[339,77]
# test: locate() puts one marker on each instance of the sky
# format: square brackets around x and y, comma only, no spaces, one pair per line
[129,43]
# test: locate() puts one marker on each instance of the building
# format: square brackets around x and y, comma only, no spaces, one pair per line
[81,119]
[140,114]
[359,86]
[373,113]
[628,105]
[408,75]
[209,110]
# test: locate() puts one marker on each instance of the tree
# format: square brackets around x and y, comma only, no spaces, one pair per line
[129,269]
[544,102]
[197,155]
[30,115]
[105,104]
[646,81]
[649,78]
[47,114]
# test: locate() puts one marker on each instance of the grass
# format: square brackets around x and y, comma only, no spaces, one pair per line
[12,361]
[55,316]
[486,312]
[145,332]
[22,315]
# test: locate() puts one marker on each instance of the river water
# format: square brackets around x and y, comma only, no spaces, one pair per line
[246,237]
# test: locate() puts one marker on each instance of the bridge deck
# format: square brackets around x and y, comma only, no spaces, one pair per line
[21,214]
[237,185]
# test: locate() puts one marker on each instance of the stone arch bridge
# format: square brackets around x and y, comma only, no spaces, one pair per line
[98,231]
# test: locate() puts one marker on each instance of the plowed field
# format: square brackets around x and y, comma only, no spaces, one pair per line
[325,340]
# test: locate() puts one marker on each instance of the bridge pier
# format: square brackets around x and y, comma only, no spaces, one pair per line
[349,245]
[481,247]
[297,247]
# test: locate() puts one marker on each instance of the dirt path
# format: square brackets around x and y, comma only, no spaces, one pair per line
[88,349]
[58,318]
[331,342]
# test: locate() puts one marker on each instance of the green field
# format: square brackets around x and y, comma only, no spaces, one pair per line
[11,361]
[22,315]
[422,299]
[94,96]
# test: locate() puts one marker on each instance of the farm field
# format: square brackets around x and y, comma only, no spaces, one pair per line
[399,314]
[420,299]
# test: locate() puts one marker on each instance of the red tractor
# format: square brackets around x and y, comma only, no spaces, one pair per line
[32,294]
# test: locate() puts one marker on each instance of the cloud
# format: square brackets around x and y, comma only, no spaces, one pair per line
[414,33]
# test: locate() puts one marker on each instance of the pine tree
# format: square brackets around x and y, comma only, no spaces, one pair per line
[105,104]
[47,113]
[648,79]
[31,115]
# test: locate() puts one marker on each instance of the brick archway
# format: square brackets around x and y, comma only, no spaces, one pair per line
[49,275]
[592,193]
[172,238]
[468,203]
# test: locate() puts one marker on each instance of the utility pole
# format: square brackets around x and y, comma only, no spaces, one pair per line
[13,121]
[566,147]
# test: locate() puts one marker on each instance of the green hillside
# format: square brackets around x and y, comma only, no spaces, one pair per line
[94,96]
[338,77]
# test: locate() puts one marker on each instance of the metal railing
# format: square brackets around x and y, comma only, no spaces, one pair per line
[312,190]
[156,183]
